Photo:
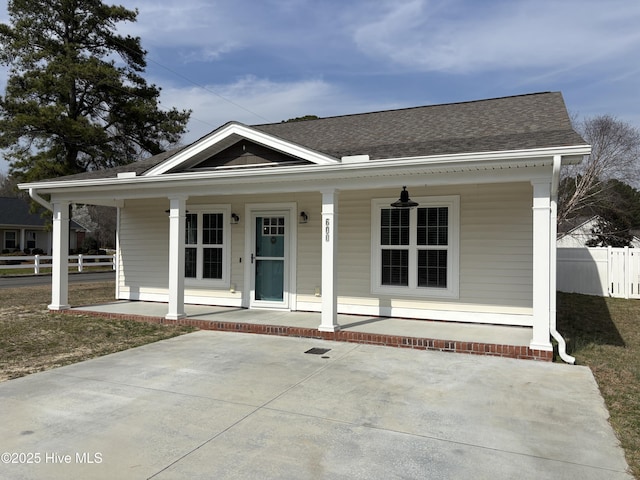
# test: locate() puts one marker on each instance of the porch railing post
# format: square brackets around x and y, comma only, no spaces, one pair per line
[329,314]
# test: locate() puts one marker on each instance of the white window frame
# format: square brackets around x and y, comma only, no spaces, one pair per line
[452,202]
[225,281]
[16,239]
[30,236]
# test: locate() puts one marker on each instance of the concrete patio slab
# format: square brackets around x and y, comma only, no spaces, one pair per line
[225,405]
[497,340]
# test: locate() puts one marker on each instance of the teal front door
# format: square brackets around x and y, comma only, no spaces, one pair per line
[269,260]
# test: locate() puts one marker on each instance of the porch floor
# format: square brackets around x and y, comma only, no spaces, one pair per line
[481,339]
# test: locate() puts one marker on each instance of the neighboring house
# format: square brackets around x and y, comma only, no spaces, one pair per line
[577,232]
[299,216]
[21,230]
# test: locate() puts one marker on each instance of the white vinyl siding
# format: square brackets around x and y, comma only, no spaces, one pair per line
[495,272]
[144,245]
[495,245]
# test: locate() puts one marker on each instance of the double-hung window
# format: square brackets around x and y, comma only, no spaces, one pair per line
[10,239]
[415,251]
[207,233]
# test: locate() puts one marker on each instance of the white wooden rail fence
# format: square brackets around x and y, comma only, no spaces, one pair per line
[38,262]
[603,271]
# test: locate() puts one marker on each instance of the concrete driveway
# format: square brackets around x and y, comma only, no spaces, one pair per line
[224,405]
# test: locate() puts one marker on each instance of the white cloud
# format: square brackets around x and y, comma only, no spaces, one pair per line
[458,37]
[253,100]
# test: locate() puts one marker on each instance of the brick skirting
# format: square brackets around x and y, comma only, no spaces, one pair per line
[474,348]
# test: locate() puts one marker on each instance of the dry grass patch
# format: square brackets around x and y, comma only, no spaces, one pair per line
[32,339]
[604,333]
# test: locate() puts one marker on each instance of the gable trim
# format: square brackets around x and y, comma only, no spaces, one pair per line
[243,131]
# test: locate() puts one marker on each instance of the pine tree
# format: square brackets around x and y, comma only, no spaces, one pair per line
[75,99]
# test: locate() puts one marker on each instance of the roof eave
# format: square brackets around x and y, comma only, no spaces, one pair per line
[470,161]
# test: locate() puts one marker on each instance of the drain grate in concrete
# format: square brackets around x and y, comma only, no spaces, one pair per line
[317,351]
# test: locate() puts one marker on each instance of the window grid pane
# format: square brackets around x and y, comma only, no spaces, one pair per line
[201,231]
[433,226]
[212,229]
[273,226]
[190,262]
[10,240]
[395,267]
[191,229]
[394,226]
[212,263]
[432,268]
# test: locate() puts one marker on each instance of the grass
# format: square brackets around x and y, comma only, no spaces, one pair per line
[32,339]
[604,334]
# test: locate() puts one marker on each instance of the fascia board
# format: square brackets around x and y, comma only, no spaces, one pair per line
[245,132]
[293,184]
[460,162]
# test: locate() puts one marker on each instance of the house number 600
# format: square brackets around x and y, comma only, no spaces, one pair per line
[327,230]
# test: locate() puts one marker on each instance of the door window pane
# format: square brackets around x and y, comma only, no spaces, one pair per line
[269,284]
[270,237]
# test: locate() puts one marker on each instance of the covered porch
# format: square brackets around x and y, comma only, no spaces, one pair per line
[476,339]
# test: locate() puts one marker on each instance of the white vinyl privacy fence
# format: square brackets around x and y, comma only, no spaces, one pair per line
[603,271]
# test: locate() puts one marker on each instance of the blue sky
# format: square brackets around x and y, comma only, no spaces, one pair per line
[258,61]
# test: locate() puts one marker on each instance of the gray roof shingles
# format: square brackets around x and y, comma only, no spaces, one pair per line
[510,123]
[15,212]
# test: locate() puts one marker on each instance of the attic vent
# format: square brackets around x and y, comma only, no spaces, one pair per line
[355,159]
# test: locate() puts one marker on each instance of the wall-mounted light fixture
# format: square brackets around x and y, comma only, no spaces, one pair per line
[304,218]
[404,201]
[234,219]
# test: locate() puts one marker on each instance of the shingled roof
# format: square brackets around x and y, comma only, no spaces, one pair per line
[15,212]
[521,122]
[509,123]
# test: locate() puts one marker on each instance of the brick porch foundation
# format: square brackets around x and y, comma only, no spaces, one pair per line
[496,350]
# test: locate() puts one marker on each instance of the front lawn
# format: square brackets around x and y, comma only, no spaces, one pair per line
[32,339]
[604,334]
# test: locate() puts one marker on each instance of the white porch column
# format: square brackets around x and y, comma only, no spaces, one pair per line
[541,265]
[60,252]
[329,316]
[177,215]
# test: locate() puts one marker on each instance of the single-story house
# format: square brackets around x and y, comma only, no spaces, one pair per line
[314,215]
[23,230]
[577,232]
